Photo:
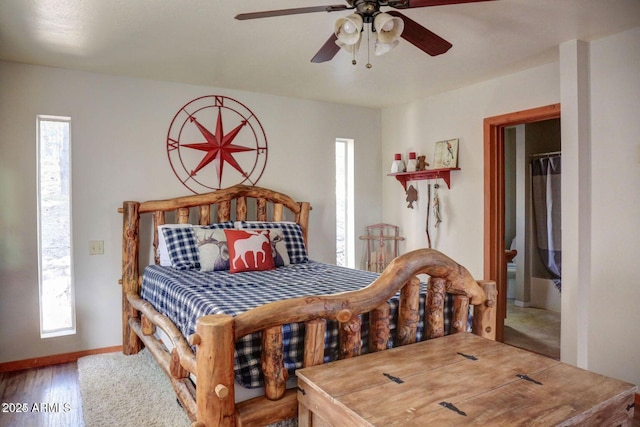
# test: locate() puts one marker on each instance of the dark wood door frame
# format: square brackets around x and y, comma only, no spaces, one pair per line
[495,267]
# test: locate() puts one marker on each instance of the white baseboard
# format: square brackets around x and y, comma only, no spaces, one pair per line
[519,303]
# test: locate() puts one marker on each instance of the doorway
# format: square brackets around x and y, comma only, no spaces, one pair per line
[533,154]
[495,266]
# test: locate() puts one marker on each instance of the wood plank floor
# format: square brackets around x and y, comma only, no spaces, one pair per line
[41,397]
[56,393]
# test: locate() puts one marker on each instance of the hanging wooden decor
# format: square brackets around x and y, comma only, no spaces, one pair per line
[412,196]
[437,218]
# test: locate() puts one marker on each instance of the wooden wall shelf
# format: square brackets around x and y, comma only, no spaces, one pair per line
[403,177]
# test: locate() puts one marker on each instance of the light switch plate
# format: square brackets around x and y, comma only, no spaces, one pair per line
[96,247]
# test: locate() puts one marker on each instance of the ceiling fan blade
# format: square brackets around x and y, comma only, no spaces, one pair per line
[420,37]
[328,50]
[295,11]
[408,4]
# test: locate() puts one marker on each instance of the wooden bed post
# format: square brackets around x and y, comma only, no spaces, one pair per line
[273,371]
[131,344]
[215,395]
[434,307]
[484,315]
[314,342]
[460,314]
[408,312]
[303,220]
[379,330]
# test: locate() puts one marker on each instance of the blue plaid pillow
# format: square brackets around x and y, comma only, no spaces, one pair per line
[183,247]
[292,236]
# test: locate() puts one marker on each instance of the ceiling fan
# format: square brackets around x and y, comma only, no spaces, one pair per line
[388,26]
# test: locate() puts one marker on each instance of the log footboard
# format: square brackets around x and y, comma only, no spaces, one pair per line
[218,333]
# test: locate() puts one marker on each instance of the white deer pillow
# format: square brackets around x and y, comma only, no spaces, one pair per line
[212,248]
[249,250]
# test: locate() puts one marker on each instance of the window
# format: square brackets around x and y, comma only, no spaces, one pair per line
[345,233]
[57,311]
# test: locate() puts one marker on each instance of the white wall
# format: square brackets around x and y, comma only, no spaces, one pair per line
[119,126]
[615,271]
[456,114]
[599,334]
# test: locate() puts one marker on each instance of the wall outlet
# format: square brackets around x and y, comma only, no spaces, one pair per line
[96,247]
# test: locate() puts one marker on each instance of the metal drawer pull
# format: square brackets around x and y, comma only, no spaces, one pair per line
[468,356]
[452,407]
[527,378]
[394,379]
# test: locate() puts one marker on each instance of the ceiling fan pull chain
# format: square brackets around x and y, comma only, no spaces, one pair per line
[368,46]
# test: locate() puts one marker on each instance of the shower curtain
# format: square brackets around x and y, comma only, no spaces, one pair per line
[545,181]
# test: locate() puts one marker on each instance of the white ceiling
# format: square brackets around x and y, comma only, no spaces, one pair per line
[200,42]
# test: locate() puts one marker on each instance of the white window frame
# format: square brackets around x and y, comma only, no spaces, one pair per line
[348,214]
[71,330]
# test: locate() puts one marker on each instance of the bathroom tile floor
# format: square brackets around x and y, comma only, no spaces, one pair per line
[533,329]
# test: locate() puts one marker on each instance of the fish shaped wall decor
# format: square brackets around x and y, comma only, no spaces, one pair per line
[412,196]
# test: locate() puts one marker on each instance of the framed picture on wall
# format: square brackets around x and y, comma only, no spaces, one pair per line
[446,154]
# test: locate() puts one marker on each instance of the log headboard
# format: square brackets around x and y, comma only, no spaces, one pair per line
[229,204]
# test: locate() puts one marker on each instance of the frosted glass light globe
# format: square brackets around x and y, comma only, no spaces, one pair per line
[349,27]
[388,26]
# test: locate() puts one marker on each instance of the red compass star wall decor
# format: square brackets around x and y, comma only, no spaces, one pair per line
[205,155]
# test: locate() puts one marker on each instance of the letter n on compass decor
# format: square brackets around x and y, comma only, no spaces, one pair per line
[215,142]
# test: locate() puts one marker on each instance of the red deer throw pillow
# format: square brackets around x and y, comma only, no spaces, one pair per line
[249,250]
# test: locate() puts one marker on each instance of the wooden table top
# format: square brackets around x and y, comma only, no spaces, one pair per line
[461,379]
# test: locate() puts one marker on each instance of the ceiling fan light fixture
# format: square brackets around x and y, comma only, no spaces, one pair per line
[348,29]
[389,28]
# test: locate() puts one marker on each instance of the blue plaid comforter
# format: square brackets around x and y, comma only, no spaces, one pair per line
[185,295]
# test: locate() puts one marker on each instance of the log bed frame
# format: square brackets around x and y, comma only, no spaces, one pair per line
[212,403]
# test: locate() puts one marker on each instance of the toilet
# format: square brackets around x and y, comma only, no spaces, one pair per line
[511,275]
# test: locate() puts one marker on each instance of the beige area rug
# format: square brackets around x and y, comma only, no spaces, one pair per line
[119,390]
